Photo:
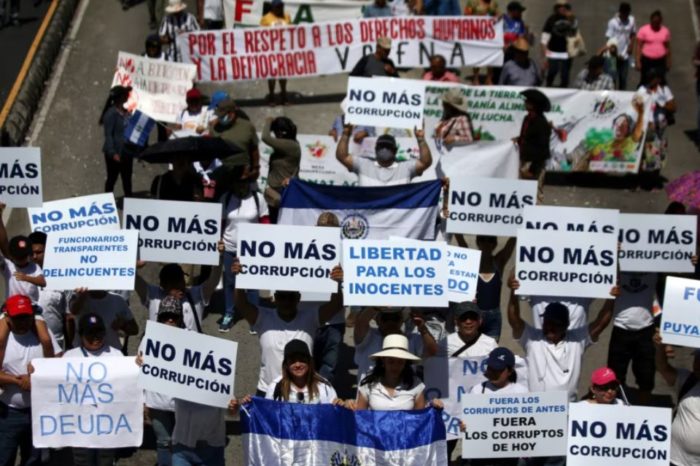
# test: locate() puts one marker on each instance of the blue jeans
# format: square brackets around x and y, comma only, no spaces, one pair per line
[326,349]
[163,423]
[200,456]
[16,432]
[555,67]
[491,323]
[230,286]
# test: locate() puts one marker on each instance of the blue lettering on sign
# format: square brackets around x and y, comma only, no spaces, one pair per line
[83,424]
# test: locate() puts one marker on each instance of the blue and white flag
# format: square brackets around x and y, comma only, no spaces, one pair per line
[406,210]
[286,434]
[139,128]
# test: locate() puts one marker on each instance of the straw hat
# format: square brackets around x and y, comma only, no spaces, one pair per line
[175,6]
[395,346]
[384,42]
[454,98]
[521,44]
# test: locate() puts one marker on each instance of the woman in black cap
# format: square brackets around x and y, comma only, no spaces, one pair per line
[114,119]
[533,141]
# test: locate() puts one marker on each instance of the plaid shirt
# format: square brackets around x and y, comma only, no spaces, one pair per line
[459,127]
[602,83]
[172,26]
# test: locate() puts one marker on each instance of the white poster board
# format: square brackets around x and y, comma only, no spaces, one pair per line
[20,176]
[385,102]
[657,243]
[86,402]
[97,211]
[680,321]
[564,219]
[188,365]
[172,231]
[488,206]
[602,435]
[98,260]
[463,273]
[293,258]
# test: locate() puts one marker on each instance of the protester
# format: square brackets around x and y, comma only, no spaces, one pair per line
[514,27]
[114,119]
[210,14]
[287,322]
[192,120]
[156,8]
[609,54]
[623,30]
[241,204]
[604,389]
[653,49]
[593,77]
[359,133]
[276,17]
[500,375]
[521,70]
[232,126]
[15,400]
[281,135]
[377,63]
[406,7]
[455,127]
[379,9]
[533,142]
[154,48]
[176,21]
[385,170]
[557,29]
[468,341]
[438,71]
[442,8]
[179,184]
[299,382]
[482,8]
[113,310]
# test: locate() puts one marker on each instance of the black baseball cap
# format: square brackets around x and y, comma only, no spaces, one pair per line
[515,6]
[20,247]
[91,324]
[297,347]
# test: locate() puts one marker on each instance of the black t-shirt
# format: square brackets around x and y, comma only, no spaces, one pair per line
[559,28]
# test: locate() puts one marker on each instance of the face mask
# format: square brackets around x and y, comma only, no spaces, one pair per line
[225,120]
[385,155]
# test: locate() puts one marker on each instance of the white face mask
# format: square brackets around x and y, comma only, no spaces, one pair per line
[385,155]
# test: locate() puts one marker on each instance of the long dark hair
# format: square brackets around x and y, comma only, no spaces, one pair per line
[312,380]
[376,374]
[284,127]
[116,95]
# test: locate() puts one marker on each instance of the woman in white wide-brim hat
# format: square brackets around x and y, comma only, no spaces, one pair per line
[392,384]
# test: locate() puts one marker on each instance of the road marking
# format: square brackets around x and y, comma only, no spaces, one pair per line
[694,18]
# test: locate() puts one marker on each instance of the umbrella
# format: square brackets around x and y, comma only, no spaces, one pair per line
[538,99]
[685,189]
[193,148]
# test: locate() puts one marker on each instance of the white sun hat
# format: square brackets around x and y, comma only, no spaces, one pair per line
[175,6]
[395,346]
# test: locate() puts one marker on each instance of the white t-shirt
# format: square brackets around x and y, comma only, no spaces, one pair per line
[54,306]
[105,352]
[195,422]
[685,430]
[155,295]
[373,344]
[155,400]
[402,399]
[554,367]
[14,286]
[109,308]
[482,347]
[240,211]
[275,333]
[370,173]
[214,10]
[326,393]
[488,387]
[578,310]
[19,352]
[633,308]
[622,32]
[190,122]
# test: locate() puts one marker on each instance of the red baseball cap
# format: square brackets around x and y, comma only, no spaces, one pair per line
[603,376]
[19,305]
[193,94]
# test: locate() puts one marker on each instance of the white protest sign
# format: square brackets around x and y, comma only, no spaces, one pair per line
[680,321]
[249,12]
[463,273]
[601,435]
[98,260]
[158,86]
[488,206]
[97,211]
[394,273]
[188,365]
[570,264]
[171,231]
[390,102]
[294,258]
[564,219]
[86,402]
[657,243]
[492,159]
[514,425]
[20,176]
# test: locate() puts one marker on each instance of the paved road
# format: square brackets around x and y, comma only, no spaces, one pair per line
[71,139]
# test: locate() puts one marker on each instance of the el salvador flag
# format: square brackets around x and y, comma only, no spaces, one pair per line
[406,210]
[139,128]
[287,434]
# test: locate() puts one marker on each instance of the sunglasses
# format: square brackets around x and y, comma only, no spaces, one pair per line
[608,386]
[468,316]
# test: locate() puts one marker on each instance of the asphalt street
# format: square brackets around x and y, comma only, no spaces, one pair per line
[71,142]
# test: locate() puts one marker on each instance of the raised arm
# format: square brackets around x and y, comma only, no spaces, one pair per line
[604,317]
[516,322]
[504,254]
[342,151]
[335,305]
[141,285]
[426,158]
[362,324]
[666,370]
[209,286]
[249,311]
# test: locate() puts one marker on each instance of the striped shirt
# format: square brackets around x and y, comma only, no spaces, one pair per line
[171,27]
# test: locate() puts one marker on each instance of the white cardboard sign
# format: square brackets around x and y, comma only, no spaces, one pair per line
[385,102]
[564,219]
[680,321]
[20,176]
[97,211]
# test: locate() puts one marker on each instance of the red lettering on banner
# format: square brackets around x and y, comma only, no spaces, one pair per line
[316,36]
[292,64]
[198,63]
[202,44]
[242,7]
[395,28]
[464,29]
[339,34]
[248,41]
[228,41]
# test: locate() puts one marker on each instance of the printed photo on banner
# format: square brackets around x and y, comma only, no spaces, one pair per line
[592,130]
[20,177]
[334,47]
[97,260]
[389,102]
[488,206]
[171,231]
[187,365]
[680,320]
[571,264]
[294,258]
[657,243]
[84,402]
[515,425]
[570,219]
[601,435]
[394,273]
[158,87]
[249,12]
[97,211]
